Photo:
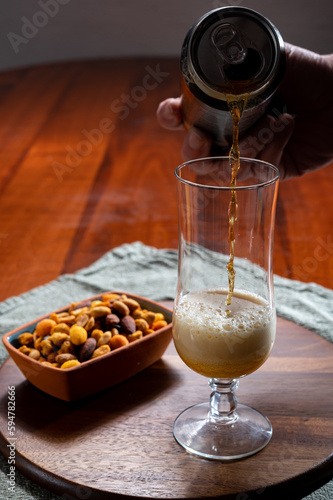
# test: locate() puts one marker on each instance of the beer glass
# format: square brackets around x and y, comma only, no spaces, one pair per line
[224,321]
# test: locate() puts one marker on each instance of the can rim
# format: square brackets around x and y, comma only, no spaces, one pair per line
[277,39]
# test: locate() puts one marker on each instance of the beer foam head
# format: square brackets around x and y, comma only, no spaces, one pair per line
[205,312]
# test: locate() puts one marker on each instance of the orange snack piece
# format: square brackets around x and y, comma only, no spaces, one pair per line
[44,327]
[159,324]
[118,341]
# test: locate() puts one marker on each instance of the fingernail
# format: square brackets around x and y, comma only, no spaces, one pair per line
[195,140]
[168,111]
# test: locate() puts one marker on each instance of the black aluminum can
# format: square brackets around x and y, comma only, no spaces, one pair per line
[230,51]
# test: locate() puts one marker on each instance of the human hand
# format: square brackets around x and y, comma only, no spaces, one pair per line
[297,141]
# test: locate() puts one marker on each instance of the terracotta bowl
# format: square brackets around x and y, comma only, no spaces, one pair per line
[96,374]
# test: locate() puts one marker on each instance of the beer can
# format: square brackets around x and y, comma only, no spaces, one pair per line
[230,51]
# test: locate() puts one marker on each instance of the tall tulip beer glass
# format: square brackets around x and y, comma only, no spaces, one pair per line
[221,332]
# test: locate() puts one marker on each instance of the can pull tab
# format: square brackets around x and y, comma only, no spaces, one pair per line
[228,44]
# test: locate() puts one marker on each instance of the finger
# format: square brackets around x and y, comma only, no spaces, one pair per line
[267,138]
[169,114]
[256,138]
[197,144]
[275,149]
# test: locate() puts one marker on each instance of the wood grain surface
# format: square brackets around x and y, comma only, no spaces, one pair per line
[119,444]
[85,167]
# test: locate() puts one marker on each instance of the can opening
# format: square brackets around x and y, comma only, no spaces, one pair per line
[228,45]
[248,69]
[235,60]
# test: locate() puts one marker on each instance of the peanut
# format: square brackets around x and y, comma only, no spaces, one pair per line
[107,297]
[120,308]
[149,316]
[62,358]
[46,363]
[77,312]
[96,303]
[67,318]
[60,327]
[96,334]
[51,356]
[104,339]
[147,332]
[82,319]
[99,311]
[100,351]
[135,336]
[138,313]
[90,324]
[131,304]
[141,324]
[70,364]
[34,354]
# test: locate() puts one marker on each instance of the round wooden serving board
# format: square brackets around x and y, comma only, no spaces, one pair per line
[119,444]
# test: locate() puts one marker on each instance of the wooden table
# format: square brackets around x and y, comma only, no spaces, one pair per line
[84,168]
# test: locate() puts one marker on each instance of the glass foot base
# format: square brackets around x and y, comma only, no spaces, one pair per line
[244,433]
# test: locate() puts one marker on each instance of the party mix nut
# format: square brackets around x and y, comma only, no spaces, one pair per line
[88,330]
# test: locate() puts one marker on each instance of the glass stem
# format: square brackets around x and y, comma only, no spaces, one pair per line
[223,401]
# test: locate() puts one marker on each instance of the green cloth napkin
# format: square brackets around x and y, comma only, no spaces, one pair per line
[150,272]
